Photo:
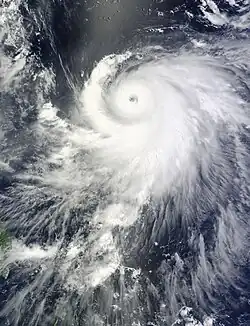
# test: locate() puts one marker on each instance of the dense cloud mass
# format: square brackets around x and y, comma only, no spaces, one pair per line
[124,163]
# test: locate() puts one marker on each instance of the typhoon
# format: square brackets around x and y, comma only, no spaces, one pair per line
[131,207]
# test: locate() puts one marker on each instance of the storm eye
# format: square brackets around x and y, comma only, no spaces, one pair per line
[133,99]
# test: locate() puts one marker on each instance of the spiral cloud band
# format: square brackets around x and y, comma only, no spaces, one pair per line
[161,116]
[133,207]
